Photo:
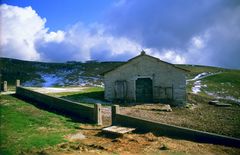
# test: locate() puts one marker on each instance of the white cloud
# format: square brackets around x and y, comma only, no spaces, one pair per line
[183,25]
[24,36]
[197,42]
[168,55]
[81,42]
[19,29]
[54,36]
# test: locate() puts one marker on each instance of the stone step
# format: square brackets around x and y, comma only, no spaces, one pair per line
[219,104]
[118,130]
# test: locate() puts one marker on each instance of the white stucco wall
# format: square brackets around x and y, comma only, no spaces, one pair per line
[162,75]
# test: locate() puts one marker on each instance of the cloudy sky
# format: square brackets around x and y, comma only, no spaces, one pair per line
[205,32]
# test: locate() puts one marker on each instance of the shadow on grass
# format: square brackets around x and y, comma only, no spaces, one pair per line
[40,105]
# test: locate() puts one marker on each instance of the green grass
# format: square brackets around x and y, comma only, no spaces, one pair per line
[96,93]
[197,69]
[225,84]
[25,127]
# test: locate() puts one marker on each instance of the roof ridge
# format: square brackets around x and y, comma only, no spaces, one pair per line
[143,53]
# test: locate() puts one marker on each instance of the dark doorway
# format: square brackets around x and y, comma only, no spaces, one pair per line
[144,90]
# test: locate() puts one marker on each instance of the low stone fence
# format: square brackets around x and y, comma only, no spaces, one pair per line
[3,86]
[62,105]
[171,130]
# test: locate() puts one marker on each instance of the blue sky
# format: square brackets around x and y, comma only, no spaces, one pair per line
[177,31]
[60,14]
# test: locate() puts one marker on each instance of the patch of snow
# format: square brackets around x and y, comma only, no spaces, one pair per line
[200,75]
[31,83]
[90,81]
[196,87]
[100,85]
[64,77]
[203,75]
[231,98]
[50,80]
[205,86]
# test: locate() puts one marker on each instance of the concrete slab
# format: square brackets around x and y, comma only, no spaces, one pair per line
[214,102]
[219,104]
[223,105]
[118,129]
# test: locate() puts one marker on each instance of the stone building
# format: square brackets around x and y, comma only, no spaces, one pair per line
[146,79]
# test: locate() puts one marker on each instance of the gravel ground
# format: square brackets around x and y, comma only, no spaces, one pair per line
[204,117]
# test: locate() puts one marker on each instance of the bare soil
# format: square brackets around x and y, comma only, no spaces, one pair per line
[97,142]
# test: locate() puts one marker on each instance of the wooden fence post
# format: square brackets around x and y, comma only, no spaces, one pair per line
[5,86]
[98,113]
[115,110]
[17,83]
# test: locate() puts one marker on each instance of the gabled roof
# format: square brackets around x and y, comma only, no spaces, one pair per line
[144,54]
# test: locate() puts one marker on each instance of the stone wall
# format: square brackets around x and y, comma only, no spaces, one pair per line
[66,106]
[171,130]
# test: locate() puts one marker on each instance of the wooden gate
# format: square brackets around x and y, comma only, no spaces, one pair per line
[144,90]
[120,90]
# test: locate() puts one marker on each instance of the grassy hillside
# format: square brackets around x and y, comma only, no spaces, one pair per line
[36,73]
[26,71]
[225,84]
[197,69]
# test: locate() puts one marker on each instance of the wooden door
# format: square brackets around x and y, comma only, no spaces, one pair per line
[120,90]
[144,90]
